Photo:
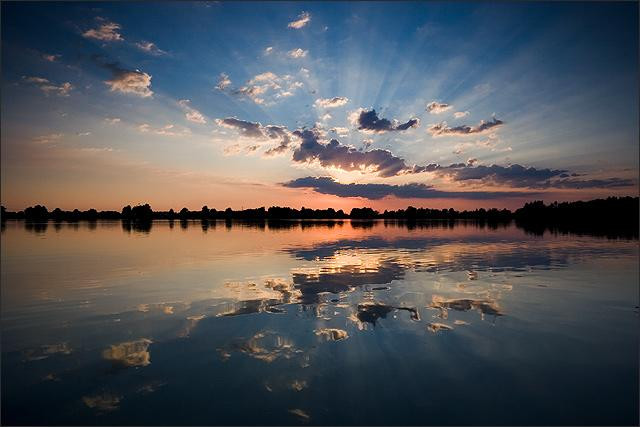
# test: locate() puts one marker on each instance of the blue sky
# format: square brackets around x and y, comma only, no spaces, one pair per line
[112,103]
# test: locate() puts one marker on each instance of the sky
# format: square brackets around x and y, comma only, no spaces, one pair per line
[317,104]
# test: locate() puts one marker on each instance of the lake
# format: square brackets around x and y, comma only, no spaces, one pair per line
[329,323]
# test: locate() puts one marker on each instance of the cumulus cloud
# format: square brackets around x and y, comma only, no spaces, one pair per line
[334,154]
[264,87]
[268,50]
[191,113]
[442,129]
[50,88]
[246,128]
[150,48]
[369,122]
[460,114]
[336,101]
[297,53]
[435,107]
[135,82]
[327,185]
[514,175]
[223,82]
[107,32]
[303,19]
[256,130]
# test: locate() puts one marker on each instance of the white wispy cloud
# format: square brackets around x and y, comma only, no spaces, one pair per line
[303,19]
[150,48]
[298,53]
[268,50]
[112,120]
[191,113]
[223,82]
[107,32]
[135,82]
[167,130]
[435,107]
[48,88]
[46,139]
[264,87]
[460,114]
[336,101]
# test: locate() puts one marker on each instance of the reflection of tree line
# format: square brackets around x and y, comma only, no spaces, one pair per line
[611,217]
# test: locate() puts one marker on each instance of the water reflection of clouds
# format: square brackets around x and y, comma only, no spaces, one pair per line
[102,402]
[266,346]
[132,353]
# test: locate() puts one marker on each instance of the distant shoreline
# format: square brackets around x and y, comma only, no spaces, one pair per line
[612,217]
[620,208]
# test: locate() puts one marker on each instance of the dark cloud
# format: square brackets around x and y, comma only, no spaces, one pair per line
[346,158]
[442,129]
[256,130]
[369,121]
[278,132]
[385,164]
[249,129]
[327,185]
[528,177]
[514,175]
[589,183]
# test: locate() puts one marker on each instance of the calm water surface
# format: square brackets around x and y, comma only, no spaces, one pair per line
[346,323]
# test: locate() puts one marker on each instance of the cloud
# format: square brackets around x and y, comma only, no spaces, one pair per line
[150,48]
[336,101]
[442,129]
[112,120]
[50,58]
[369,122]
[223,82]
[303,19]
[297,53]
[45,139]
[327,185]
[435,107]
[258,131]
[135,82]
[48,88]
[514,175]
[107,32]
[340,131]
[191,113]
[334,154]
[268,50]
[578,184]
[131,353]
[264,87]
[460,114]
[83,133]
[246,128]
[167,130]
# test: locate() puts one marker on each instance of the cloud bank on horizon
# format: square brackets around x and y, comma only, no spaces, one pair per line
[309,106]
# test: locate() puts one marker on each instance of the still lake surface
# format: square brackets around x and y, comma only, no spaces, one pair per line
[316,323]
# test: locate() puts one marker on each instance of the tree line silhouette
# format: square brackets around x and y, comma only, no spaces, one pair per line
[611,213]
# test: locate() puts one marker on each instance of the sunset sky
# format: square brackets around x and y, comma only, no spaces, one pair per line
[320,105]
